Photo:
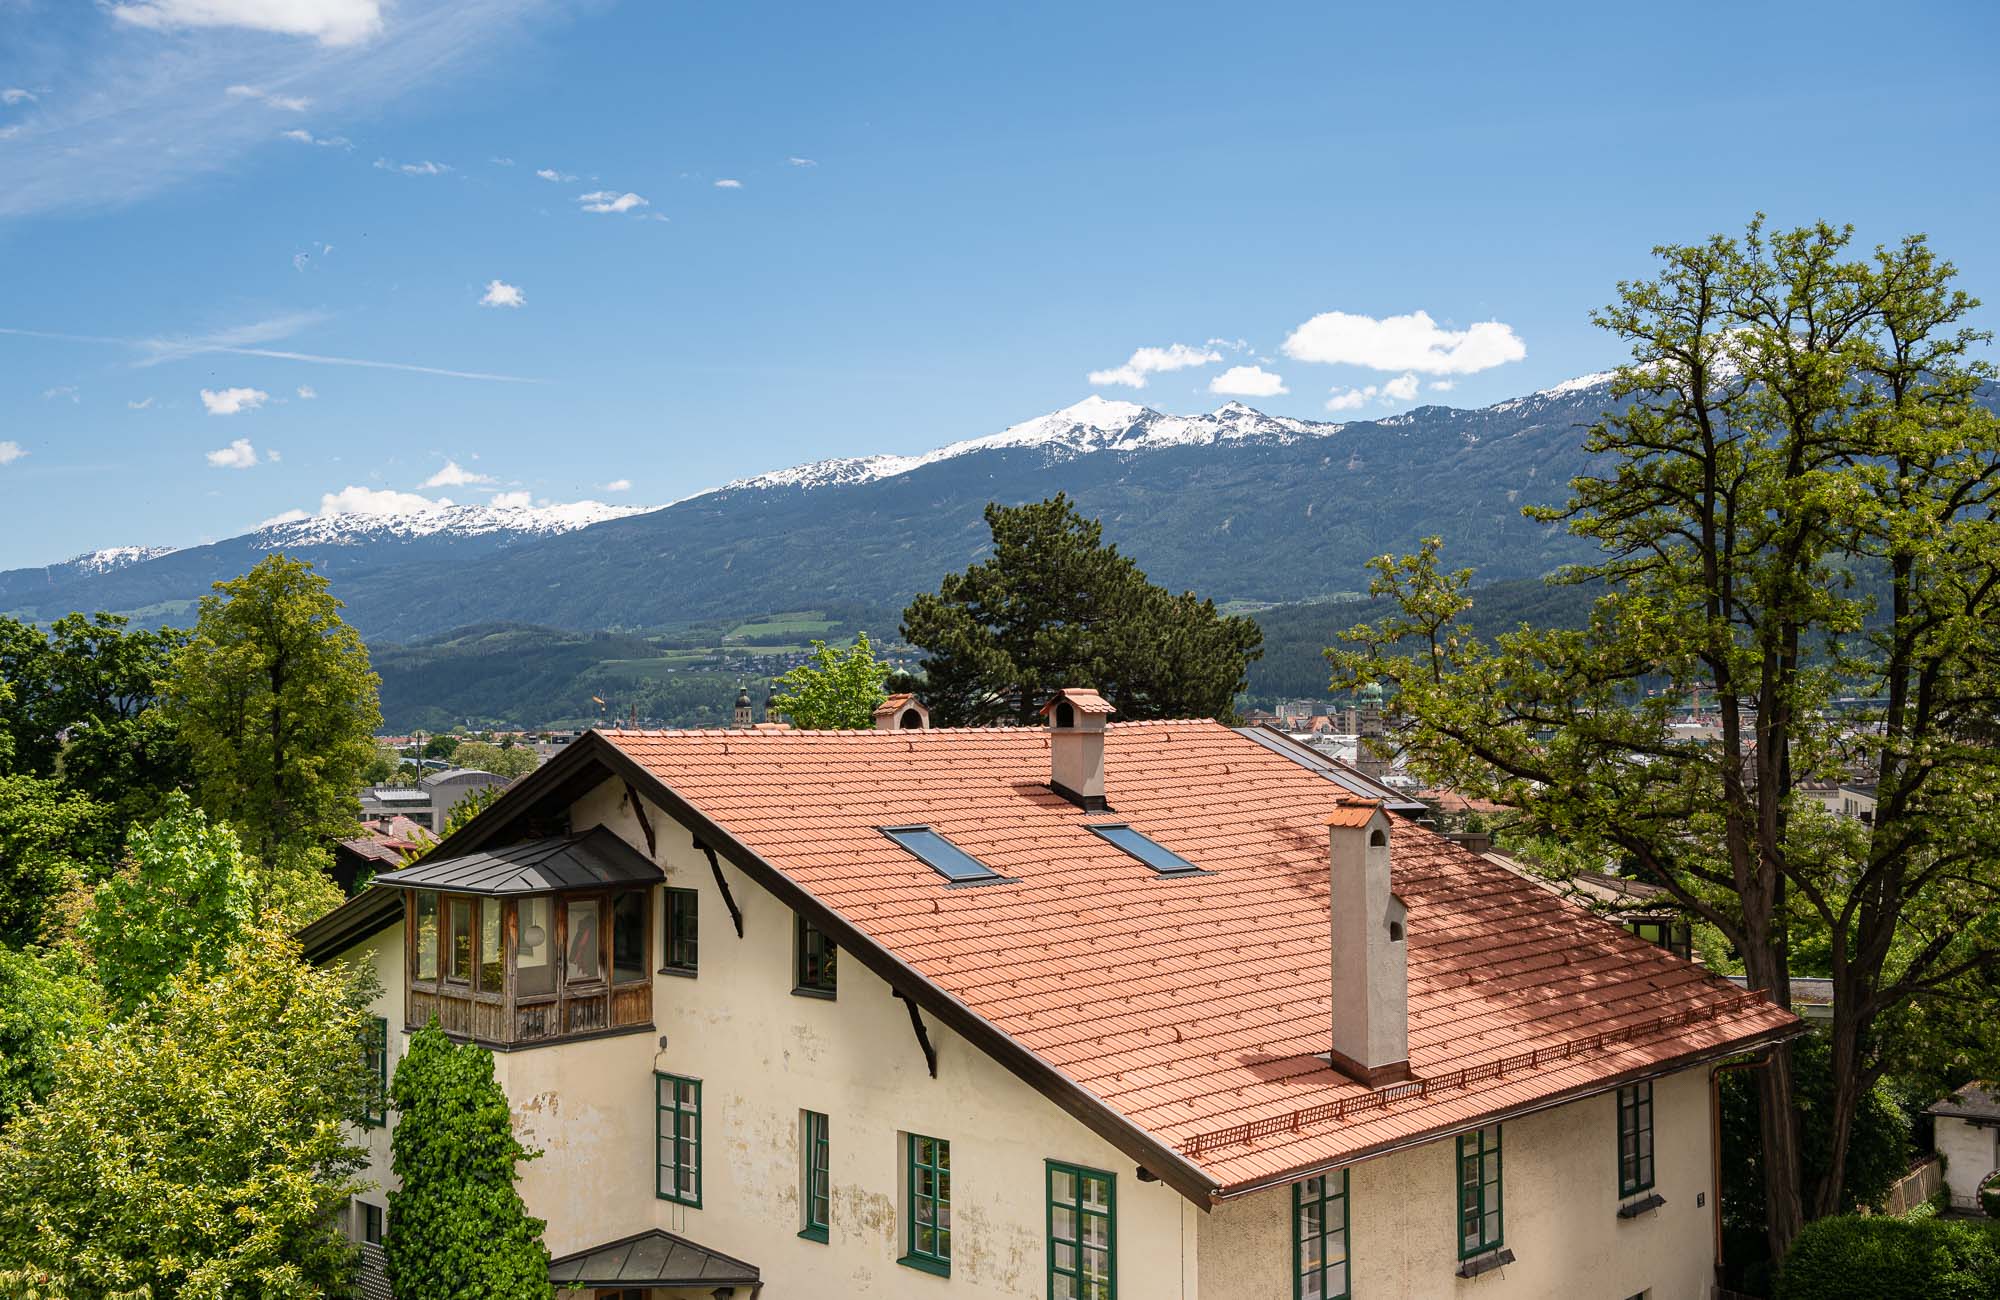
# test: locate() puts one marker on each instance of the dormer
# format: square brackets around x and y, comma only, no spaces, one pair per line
[1076,717]
[901,713]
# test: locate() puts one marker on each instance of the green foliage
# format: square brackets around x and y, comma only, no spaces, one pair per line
[1848,1258]
[835,690]
[46,999]
[198,1150]
[183,896]
[1053,606]
[501,760]
[296,887]
[274,696]
[381,769]
[460,1230]
[441,747]
[1989,1195]
[469,807]
[51,838]
[75,698]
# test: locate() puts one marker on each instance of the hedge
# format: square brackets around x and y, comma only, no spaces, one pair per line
[1882,1258]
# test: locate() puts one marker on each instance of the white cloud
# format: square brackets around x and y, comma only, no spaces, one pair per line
[727,184]
[290,103]
[1412,342]
[233,401]
[10,451]
[284,517]
[608,201]
[1153,361]
[511,501]
[273,457]
[355,500]
[1248,381]
[307,392]
[323,141]
[803,162]
[1403,388]
[551,174]
[1443,385]
[424,168]
[501,162]
[616,485]
[66,390]
[453,475]
[237,455]
[15,95]
[1234,345]
[139,405]
[330,22]
[501,294]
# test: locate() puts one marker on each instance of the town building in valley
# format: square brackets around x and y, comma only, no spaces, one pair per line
[1085,1011]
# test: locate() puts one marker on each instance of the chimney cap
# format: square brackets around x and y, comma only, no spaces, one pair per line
[1354,813]
[1081,698]
[892,704]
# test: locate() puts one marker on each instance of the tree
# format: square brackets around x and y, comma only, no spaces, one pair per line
[199,1149]
[835,690]
[1797,504]
[461,1230]
[1053,606]
[274,695]
[497,759]
[183,896]
[51,839]
[441,747]
[46,1000]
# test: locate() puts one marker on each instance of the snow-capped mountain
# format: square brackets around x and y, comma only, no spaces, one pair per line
[354,528]
[113,557]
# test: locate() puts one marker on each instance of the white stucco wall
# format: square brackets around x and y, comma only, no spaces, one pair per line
[1970,1153]
[1560,1189]
[383,953]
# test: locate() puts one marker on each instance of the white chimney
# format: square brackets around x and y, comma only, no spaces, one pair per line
[1076,746]
[1371,969]
[901,713]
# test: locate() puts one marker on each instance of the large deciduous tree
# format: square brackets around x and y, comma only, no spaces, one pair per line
[1053,606]
[835,690]
[1796,506]
[458,1228]
[274,695]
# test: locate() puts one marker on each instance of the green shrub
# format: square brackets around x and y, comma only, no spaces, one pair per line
[1849,1258]
[1989,1195]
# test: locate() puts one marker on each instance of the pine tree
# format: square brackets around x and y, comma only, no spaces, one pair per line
[458,1229]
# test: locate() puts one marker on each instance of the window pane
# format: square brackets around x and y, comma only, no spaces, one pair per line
[427,936]
[628,938]
[490,950]
[682,934]
[534,957]
[586,946]
[461,940]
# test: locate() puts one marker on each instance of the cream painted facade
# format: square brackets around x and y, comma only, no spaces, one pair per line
[1971,1151]
[764,1056]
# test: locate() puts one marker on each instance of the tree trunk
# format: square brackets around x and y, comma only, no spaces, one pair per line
[1777,1119]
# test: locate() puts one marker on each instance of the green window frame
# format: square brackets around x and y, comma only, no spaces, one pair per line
[375,1057]
[815,1175]
[927,1204]
[1083,1233]
[814,966]
[677,1138]
[1635,1138]
[1480,1226]
[1319,1238]
[680,932]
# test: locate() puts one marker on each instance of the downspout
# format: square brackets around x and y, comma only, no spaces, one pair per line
[1715,1143]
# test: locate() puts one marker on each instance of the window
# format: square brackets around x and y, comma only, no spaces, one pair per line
[1163,860]
[459,940]
[677,1130]
[491,953]
[628,938]
[1675,936]
[1083,1232]
[1319,1237]
[534,948]
[586,944]
[1479,1191]
[681,932]
[815,966]
[375,1055]
[814,1169]
[941,855]
[929,1200]
[427,936]
[1635,1138]
[371,1223]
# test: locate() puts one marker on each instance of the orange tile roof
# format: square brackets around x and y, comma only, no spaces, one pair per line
[892,704]
[1082,699]
[1193,1006]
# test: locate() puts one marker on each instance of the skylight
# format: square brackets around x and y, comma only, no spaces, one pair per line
[1158,857]
[941,855]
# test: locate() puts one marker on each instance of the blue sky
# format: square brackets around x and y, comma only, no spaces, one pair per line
[856,229]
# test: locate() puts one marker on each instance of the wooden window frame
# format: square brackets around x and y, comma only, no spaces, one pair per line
[671,902]
[1077,1206]
[830,968]
[687,1150]
[644,907]
[1302,1272]
[815,1174]
[1472,1197]
[1636,1172]
[937,1260]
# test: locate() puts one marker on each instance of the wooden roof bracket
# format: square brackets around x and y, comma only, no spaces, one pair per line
[923,1038]
[728,899]
[645,822]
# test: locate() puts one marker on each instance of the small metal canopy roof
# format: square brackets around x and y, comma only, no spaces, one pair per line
[651,1258]
[593,860]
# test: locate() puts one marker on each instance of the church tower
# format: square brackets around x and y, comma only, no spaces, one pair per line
[743,719]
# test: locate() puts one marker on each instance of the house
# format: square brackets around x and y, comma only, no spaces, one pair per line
[429,802]
[1968,1137]
[1085,1010]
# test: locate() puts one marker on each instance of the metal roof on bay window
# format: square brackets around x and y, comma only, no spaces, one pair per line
[596,859]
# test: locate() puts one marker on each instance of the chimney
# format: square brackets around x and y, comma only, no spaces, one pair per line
[901,713]
[1371,970]
[1076,746]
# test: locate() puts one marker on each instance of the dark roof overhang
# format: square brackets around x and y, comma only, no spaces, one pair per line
[366,914]
[650,1259]
[596,859]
